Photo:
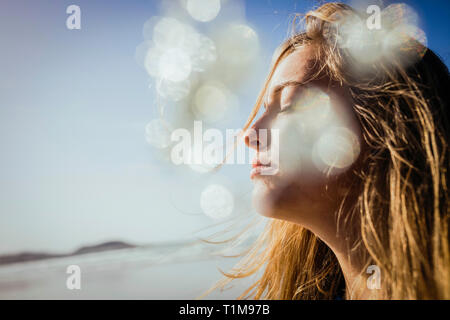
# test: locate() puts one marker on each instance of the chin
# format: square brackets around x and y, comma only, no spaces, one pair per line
[288,201]
[268,197]
[263,196]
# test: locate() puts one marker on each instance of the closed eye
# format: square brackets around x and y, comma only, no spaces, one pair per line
[286,108]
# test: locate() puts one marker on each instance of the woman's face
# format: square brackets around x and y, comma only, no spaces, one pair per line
[313,136]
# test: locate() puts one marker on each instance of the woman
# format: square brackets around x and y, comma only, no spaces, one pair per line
[373,223]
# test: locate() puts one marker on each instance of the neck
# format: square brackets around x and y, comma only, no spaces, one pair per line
[352,259]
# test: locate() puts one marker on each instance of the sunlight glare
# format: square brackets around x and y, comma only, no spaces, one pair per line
[203,10]
[217,201]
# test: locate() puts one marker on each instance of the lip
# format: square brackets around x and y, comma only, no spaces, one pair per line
[256,171]
[257,168]
[256,163]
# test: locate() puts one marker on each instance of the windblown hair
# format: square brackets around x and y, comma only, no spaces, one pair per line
[401,201]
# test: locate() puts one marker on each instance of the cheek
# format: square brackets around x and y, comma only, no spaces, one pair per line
[317,141]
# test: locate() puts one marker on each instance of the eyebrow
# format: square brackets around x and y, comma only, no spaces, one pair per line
[279,87]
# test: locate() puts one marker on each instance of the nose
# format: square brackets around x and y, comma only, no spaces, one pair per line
[258,135]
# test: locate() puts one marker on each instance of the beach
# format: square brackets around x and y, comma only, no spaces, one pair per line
[175,272]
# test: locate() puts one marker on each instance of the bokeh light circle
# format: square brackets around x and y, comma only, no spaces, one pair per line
[152,60]
[174,65]
[216,201]
[169,33]
[203,10]
[174,91]
[211,101]
[238,44]
[338,147]
[407,41]
[202,51]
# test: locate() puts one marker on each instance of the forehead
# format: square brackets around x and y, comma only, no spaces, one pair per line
[295,67]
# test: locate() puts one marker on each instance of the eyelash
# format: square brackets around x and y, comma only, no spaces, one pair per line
[285,109]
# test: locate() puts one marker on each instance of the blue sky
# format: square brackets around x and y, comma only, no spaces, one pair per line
[75,167]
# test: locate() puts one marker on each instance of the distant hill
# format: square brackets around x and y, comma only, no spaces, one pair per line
[106,246]
[27,256]
[33,256]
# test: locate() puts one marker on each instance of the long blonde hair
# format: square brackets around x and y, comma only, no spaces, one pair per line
[401,184]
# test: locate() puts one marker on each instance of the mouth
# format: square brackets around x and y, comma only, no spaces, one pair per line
[258,169]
